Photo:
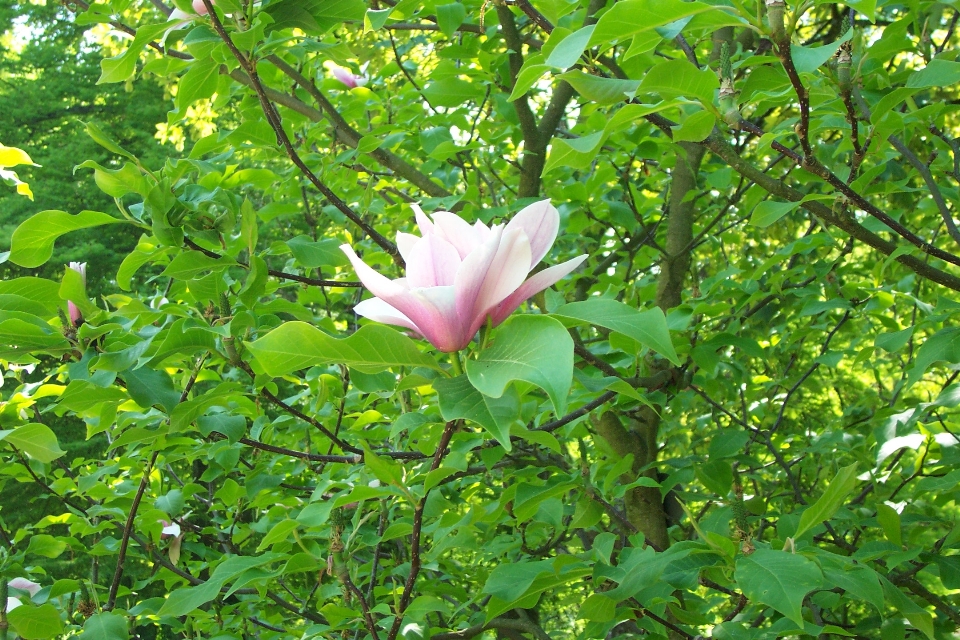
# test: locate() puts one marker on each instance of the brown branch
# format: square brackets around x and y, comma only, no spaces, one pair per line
[351,137]
[127,529]
[273,117]
[417,529]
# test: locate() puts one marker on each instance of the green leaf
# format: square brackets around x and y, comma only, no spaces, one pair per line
[536,349]
[824,508]
[857,580]
[679,77]
[889,521]
[600,90]
[232,426]
[574,152]
[183,601]
[151,387]
[374,19]
[295,345]
[630,17]
[649,327]
[121,67]
[36,440]
[280,532]
[101,138]
[460,400]
[311,254]
[695,128]
[943,345]
[450,17]
[452,92]
[32,242]
[916,615]
[569,50]
[598,608]
[105,626]
[387,471]
[314,16]
[778,579]
[36,623]
[197,83]
[937,73]
[809,59]
[190,264]
[45,545]
[769,211]
[893,341]
[117,182]
[528,76]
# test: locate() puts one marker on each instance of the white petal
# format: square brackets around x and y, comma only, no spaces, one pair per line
[379,311]
[457,232]
[23,584]
[433,262]
[12,603]
[541,222]
[405,243]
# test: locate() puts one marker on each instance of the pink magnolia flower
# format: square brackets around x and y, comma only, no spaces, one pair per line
[348,78]
[169,529]
[184,17]
[22,584]
[459,275]
[75,316]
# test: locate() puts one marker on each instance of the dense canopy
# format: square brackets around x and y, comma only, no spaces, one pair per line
[672,287]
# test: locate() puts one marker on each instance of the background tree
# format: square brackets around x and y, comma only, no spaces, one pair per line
[736,419]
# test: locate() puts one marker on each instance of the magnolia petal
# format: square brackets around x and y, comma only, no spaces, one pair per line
[23,584]
[433,262]
[457,232]
[534,285]
[200,8]
[423,221]
[379,311]
[12,603]
[170,529]
[378,284]
[436,318]
[405,243]
[490,274]
[541,222]
[74,312]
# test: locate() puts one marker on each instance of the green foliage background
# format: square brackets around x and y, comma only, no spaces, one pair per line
[742,413]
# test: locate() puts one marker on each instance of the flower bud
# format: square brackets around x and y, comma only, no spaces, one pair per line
[76,317]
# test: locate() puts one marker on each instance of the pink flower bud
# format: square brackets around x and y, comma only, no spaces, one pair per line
[170,529]
[199,8]
[75,316]
[346,77]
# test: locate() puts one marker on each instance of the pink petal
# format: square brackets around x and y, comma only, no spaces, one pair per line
[426,227]
[457,232]
[435,315]
[535,284]
[200,8]
[344,76]
[405,243]
[433,262]
[23,584]
[540,221]
[490,274]
[379,311]
[75,315]
[379,285]
[432,310]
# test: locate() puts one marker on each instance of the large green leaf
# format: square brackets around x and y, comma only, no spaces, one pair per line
[460,400]
[917,616]
[105,626]
[36,623]
[183,601]
[569,50]
[314,16]
[943,345]
[600,90]
[679,77]
[536,349]
[649,327]
[630,17]
[32,242]
[36,440]
[778,579]
[295,345]
[830,501]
